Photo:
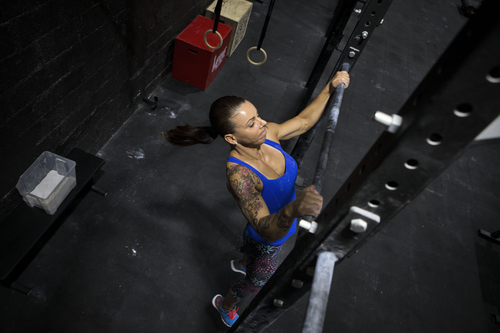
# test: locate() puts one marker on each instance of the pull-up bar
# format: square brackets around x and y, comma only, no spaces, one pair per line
[320,290]
[333,105]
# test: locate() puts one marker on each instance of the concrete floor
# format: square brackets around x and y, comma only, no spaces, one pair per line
[150,256]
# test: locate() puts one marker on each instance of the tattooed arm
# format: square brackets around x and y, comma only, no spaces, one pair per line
[246,188]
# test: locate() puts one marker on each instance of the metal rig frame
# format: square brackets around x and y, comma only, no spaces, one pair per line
[457,99]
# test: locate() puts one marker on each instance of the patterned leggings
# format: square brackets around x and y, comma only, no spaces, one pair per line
[262,261]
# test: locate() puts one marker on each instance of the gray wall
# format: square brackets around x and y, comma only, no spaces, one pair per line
[73,71]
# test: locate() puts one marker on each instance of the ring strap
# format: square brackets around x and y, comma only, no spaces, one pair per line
[218,9]
[266,23]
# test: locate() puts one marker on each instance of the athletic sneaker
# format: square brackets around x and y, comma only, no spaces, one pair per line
[228,316]
[237,267]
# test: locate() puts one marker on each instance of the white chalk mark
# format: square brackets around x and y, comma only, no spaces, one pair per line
[137,154]
[379,87]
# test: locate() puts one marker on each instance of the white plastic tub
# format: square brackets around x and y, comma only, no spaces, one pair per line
[47,182]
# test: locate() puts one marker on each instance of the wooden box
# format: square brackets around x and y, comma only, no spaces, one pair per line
[234,13]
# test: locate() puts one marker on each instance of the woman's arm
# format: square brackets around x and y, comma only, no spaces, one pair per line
[244,185]
[311,114]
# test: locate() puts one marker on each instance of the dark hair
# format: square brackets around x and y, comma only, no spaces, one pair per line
[220,113]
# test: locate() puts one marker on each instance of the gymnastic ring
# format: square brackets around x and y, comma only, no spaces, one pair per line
[210,46]
[253,62]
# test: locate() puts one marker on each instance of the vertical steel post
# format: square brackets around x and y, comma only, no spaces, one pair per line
[340,18]
[320,290]
[372,14]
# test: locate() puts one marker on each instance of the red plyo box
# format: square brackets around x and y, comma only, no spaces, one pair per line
[194,62]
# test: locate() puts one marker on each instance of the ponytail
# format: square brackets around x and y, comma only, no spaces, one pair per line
[188,135]
[221,112]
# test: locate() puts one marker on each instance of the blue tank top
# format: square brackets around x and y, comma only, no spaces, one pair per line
[277,193]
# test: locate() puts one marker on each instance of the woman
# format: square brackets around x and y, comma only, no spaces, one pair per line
[261,177]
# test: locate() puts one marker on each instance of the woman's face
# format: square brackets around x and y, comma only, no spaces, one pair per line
[250,129]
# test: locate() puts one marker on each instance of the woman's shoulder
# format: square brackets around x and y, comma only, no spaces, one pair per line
[272,132]
[237,168]
[243,176]
[233,162]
